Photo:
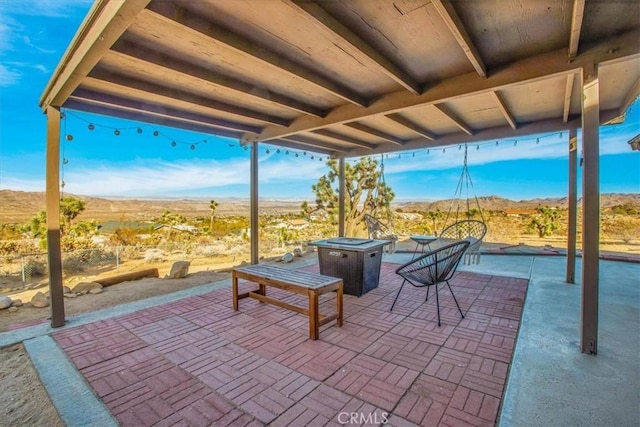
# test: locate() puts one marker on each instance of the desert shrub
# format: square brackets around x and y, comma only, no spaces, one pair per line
[83,260]
[35,268]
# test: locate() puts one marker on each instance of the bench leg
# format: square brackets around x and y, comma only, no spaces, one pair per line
[234,287]
[262,290]
[314,330]
[339,305]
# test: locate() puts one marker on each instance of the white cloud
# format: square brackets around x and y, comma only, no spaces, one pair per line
[46,8]
[9,76]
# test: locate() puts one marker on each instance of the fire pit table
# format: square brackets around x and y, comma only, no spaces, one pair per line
[355,261]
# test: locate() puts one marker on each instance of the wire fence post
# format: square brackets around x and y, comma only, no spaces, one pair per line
[117,257]
[24,278]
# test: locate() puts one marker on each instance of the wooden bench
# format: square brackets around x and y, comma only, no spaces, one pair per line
[300,282]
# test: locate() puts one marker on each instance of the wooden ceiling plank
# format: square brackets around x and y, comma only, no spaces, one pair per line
[143,116]
[400,119]
[568,91]
[530,70]
[166,62]
[345,138]
[375,132]
[454,118]
[340,34]
[504,109]
[105,23]
[577,16]
[451,19]
[124,83]
[196,24]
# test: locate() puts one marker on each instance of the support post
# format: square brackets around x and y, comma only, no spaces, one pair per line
[341,197]
[573,206]
[255,233]
[590,209]
[53,217]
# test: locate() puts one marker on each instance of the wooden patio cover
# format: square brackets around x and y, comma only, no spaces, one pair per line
[356,77]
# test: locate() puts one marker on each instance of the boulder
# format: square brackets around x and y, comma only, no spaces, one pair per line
[66,289]
[5,302]
[297,252]
[16,303]
[84,287]
[70,295]
[179,270]
[39,300]
[12,309]
[288,257]
[96,291]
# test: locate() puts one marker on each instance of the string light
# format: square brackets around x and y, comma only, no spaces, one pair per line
[91,126]
[116,132]
[537,140]
[515,143]
[69,137]
[156,133]
[139,130]
[173,143]
[193,146]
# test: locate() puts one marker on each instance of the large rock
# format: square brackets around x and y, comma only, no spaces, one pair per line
[39,300]
[297,252]
[288,257]
[179,270]
[5,302]
[84,287]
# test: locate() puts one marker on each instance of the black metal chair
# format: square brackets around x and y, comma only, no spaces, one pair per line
[381,231]
[436,266]
[470,229]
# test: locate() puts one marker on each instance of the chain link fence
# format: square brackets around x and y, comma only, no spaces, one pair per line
[31,270]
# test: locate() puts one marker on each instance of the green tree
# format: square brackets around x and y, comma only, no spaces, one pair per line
[212,206]
[363,192]
[435,217]
[545,221]
[70,208]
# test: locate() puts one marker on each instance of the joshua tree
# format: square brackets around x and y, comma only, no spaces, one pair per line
[545,221]
[70,208]
[212,205]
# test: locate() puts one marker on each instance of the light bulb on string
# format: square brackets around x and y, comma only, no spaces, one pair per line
[560,135]
[139,130]
[91,126]
[443,150]
[296,154]
[477,147]
[428,151]
[245,148]
[193,146]
[173,143]
[537,140]
[267,151]
[286,152]
[304,153]
[278,151]
[65,161]
[156,133]
[413,154]
[116,132]
[69,137]
[497,143]
[311,157]
[459,147]
[515,143]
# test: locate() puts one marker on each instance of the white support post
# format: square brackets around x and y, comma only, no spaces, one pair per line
[255,233]
[573,206]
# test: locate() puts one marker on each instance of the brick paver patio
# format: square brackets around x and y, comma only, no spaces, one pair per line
[196,362]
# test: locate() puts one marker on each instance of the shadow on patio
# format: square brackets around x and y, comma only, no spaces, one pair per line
[196,362]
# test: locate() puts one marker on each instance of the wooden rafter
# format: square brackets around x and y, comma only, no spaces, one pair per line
[124,84]
[340,34]
[453,118]
[400,119]
[97,108]
[631,96]
[375,132]
[344,138]
[154,59]
[577,16]
[450,17]
[194,23]
[158,110]
[504,109]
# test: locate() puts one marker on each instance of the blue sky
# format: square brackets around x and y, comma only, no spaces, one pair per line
[33,37]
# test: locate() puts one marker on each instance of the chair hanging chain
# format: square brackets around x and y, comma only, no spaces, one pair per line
[465,180]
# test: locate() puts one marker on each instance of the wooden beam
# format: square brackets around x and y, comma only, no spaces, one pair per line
[81,105]
[573,206]
[146,90]
[161,111]
[529,70]
[168,65]
[504,109]
[568,91]
[450,17]
[454,118]
[577,16]
[400,119]
[345,138]
[194,24]
[340,34]
[375,132]
[590,210]
[54,252]
[105,23]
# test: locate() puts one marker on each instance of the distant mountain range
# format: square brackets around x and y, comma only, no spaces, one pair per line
[20,206]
